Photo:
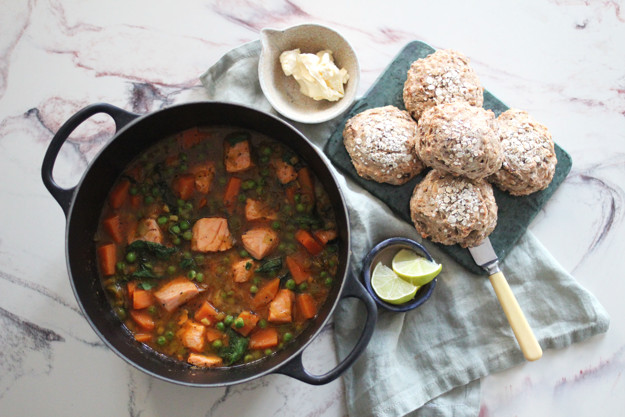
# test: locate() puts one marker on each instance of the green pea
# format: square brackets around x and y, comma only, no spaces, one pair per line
[287,337]
[248,358]
[281,246]
[276,225]
[217,344]
[120,266]
[259,190]
[300,207]
[290,284]
[268,352]
[191,274]
[181,202]
[262,323]
[243,253]
[332,262]
[161,340]
[228,320]
[149,199]
[266,151]
[169,335]
[161,220]
[176,241]
[323,274]
[186,254]
[248,184]
[184,225]
[303,286]
[187,235]
[189,206]
[152,310]
[241,198]
[328,282]
[121,313]
[131,257]
[297,198]
[239,322]
[256,281]
[133,191]
[175,229]
[253,289]
[183,167]
[220,326]
[199,277]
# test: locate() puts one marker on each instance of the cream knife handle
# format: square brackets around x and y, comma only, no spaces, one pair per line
[521,328]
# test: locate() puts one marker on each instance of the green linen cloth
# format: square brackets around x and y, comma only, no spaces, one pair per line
[428,362]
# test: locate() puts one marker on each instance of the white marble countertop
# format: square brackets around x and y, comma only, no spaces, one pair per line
[562,61]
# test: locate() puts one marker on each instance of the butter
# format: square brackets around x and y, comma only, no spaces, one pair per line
[316,74]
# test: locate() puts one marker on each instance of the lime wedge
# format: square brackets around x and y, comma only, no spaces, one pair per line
[415,269]
[390,287]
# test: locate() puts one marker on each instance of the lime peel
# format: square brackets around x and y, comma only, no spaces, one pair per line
[414,268]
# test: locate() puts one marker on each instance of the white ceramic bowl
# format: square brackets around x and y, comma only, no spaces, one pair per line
[283,91]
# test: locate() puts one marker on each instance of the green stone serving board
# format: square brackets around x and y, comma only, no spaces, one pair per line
[515,213]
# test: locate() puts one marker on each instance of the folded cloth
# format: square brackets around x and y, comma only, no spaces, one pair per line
[428,362]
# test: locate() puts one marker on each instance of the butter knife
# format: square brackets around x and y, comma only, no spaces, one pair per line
[484,256]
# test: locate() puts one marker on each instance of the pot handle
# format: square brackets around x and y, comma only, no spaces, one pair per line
[63,196]
[295,368]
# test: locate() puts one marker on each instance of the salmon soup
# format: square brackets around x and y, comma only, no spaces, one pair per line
[217,246]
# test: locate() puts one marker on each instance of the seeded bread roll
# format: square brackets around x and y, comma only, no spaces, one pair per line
[452,210]
[380,142]
[460,139]
[529,156]
[442,77]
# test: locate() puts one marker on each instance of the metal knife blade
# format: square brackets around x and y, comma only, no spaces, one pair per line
[484,255]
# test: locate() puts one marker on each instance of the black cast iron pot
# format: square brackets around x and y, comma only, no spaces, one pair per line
[82,205]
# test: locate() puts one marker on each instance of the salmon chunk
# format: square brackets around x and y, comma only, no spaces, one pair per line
[204,175]
[281,307]
[148,229]
[211,234]
[237,156]
[257,210]
[192,336]
[243,270]
[260,241]
[284,171]
[175,293]
[206,361]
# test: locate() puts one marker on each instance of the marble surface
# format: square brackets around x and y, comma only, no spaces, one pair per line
[561,60]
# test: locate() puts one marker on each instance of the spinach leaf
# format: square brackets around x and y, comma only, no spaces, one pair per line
[144,272]
[236,347]
[236,137]
[188,263]
[146,285]
[143,247]
[270,265]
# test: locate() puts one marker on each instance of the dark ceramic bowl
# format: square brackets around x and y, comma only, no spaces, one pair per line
[384,252]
